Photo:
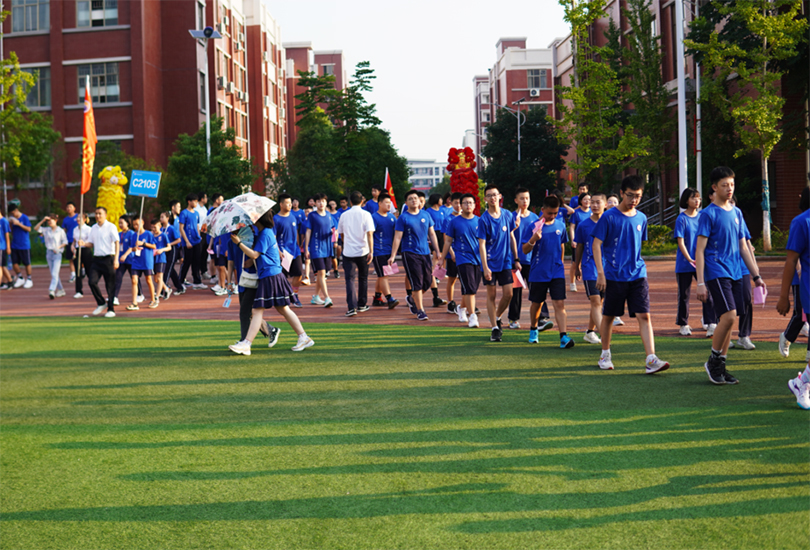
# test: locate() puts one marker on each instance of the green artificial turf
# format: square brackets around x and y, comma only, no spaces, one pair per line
[150,434]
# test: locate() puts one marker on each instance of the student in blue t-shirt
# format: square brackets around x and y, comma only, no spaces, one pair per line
[20,246]
[126,237]
[384,227]
[461,233]
[70,223]
[160,238]
[721,245]
[546,244]
[189,231]
[373,205]
[287,232]
[686,227]
[499,256]
[622,274]
[5,243]
[745,320]
[448,215]
[527,219]
[319,248]
[581,212]
[272,289]
[169,226]
[414,230]
[141,257]
[585,268]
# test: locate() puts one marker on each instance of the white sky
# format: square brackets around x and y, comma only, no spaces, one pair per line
[424,53]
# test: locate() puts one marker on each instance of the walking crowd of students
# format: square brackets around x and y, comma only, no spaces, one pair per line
[440,239]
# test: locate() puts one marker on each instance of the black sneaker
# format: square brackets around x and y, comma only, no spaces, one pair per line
[496,335]
[714,368]
[378,302]
[438,302]
[477,311]
[273,338]
[729,378]
[392,303]
[351,313]
[499,323]
[337,274]
[451,307]
[363,309]
[411,305]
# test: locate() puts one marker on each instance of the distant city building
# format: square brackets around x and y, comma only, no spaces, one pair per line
[426,174]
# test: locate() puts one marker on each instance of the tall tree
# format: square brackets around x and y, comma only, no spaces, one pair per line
[766,32]
[540,151]
[312,160]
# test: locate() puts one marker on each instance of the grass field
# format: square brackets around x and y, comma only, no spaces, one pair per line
[150,434]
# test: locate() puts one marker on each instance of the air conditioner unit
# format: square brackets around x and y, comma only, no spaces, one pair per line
[266,57]
[237,46]
[221,82]
[282,112]
[267,101]
[227,21]
[239,95]
[534,92]
[247,98]
[241,37]
[221,28]
[230,87]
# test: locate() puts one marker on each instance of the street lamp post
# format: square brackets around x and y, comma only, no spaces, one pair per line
[518,113]
[204,35]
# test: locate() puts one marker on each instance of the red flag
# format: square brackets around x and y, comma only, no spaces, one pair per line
[89,140]
[390,189]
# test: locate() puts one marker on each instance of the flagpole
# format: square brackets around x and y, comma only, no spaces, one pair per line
[81,200]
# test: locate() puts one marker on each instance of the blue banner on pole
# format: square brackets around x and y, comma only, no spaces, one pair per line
[144,184]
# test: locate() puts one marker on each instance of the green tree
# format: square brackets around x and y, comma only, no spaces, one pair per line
[591,110]
[767,32]
[318,90]
[541,153]
[189,172]
[311,163]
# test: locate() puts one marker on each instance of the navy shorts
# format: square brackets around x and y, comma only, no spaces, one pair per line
[320,264]
[160,267]
[220,260]
[4,259]
[635,293]
[418,270]
[452,268]
[727,294]
[502,278]
[296,267]
[22,257]
[469,275]
[538,291]
[67,253]
[139,272]
[591,290]
[379,262]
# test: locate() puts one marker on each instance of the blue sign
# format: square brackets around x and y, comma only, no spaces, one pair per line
[144,184]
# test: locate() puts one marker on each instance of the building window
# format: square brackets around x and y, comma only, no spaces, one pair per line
[200,16]
[203,106]
[103,82]
[30,15]
[536,107]
[40,94]
[328,70]
[544,78]
[97,13]
[484,98]
[485,117]
[533,78]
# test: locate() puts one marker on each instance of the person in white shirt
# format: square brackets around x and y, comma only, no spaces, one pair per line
[55,243]
[357,228]
[83,257]
[104,240]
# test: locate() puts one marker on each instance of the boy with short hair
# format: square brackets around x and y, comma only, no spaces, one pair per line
[190,233]
[720,244]
[498,251]
[547,273]
[373,205]
[522,234]
[414,230]
[462,235]
[622,276]
[319,248]
[20,246]
[384,228]
[585,268]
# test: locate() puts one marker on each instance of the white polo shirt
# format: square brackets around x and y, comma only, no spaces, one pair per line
[354,225]
[103,238]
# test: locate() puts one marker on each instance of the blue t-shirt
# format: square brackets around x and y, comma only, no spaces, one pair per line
[723,229]
[172,233]
[269,260]
[574,202]
[371,206]
[415,232]
[176,225]
[301,215]
[438,219]
[320,241]
[146,259]
[523,234]
[743,267]
[5,229]
[464,233]
[127,239]
[799,242]
[686,228]
[69,224]
[19,237]
[160,241]
[190,221]
[384,228]
[286,228]
[584,237]
[621,238]
[578,216]
[547,253]
[497,233]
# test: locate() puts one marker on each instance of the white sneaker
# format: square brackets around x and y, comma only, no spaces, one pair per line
[220,292]
[115,302]
[514,325]
[654,364]
[784,345]
[100,309]
[606,362]
[109,314]
[169,293]
[592,338]
[304,342]
[317,301]
[473,321]
[72,278]
[617,322]
[78,295]
[801,391]
[462,315]
[216,288]
[242,347]
[200,286]
[686,330]
[28,283]
[745,343]
[215,280]
[19,282]
[710,330]
[140,298]
[573,287]
[705,326]
[805,330]
[60,293]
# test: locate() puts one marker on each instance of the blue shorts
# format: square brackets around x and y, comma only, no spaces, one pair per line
[20,257]
[635,293]
[220,260]
[418,270]
[591,290]
[321,264]
[469,275]
[296,267]
[160,267]
[727,295]
[539,290]
[139,272]
[502,278]
[452,268]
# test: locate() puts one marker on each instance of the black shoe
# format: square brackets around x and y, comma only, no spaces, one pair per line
[496,335]
[273,337]
[451,307]
[477,311]
[180,292]
[499,323]
[438,302]
[714,368]
[337,274]
[411,305]
[392,303]
[351,313]
[363,309]
[727,376]
[378,302]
